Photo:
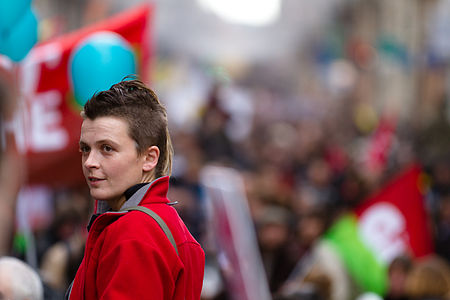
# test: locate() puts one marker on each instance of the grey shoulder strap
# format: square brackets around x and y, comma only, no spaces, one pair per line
[158,220]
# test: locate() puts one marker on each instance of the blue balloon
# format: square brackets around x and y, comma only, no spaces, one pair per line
[99,61]
[11,12]
[17,40]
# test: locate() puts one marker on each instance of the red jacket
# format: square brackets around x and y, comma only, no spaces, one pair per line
[128,256]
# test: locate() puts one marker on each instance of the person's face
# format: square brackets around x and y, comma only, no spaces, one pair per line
[110,160]
[397,280]
[5,286]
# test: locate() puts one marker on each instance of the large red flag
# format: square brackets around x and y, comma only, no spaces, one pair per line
[48,122]
[394,221]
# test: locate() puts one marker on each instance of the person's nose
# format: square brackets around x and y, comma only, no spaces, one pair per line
[91,161]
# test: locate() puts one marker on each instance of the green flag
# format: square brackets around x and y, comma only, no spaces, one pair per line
[369,273]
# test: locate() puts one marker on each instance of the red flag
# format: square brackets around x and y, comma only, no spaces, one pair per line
[394,221]
[48,122]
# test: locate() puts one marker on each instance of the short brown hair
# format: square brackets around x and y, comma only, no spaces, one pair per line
[134,102]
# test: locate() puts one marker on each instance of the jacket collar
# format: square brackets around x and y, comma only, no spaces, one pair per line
[153,192]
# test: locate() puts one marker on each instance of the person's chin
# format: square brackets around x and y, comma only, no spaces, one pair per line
[98,195]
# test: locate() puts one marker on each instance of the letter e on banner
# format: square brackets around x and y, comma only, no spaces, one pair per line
[47,133]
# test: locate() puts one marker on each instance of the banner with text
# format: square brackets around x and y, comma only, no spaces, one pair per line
[47,124]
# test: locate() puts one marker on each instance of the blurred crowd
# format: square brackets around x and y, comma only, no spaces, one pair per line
[300,148]
[300,175]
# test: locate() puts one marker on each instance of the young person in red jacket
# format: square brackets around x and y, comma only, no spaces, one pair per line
[126,158]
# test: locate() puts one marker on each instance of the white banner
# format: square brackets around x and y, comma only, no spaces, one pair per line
[234,234]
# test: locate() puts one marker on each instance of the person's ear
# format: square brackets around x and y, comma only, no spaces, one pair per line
[151,157]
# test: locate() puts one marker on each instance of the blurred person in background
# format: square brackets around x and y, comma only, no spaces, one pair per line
[398,272]
[61,246]
[429,279]
[189,206]
[212,135]
[442,231]
[11,164]
[126,159]
[274,232]
[438,202]
[18,281]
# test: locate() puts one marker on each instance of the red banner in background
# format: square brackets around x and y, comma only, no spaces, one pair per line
[48,121]
[394,221]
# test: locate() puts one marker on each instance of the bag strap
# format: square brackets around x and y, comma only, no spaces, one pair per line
[158,220]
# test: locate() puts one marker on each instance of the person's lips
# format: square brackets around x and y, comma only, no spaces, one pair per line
[94,180]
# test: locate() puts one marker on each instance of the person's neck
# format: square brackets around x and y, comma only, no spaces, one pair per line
[116,204]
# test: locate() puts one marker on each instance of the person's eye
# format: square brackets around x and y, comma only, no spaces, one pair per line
[107,148]
[84,149]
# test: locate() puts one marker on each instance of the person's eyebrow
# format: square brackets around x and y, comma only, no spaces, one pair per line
[106,141]
[100,142]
